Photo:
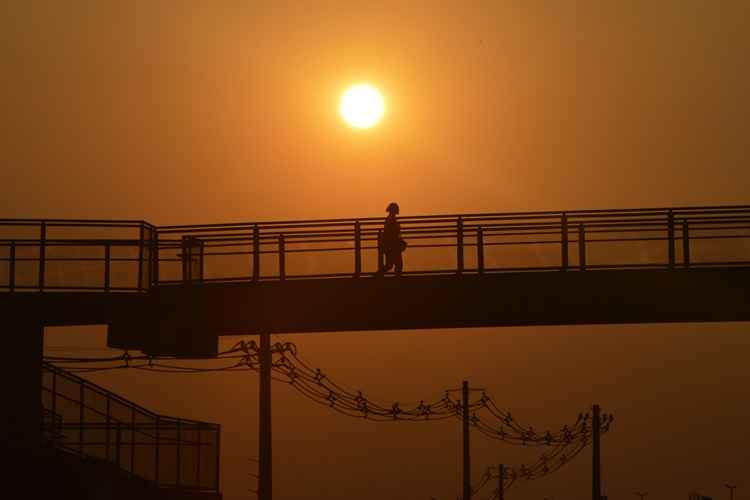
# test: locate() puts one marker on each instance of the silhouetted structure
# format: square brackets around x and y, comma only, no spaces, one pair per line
[175,289]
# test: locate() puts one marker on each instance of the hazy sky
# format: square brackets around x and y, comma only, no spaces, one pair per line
[188,112]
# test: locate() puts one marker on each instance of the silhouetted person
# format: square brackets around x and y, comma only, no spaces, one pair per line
[391,243]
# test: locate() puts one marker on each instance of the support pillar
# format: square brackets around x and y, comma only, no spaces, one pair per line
[265,488]
[21,424]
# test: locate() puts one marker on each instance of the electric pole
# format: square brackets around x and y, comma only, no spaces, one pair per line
[265,487]
[467,459]
[500,477]
[596,480]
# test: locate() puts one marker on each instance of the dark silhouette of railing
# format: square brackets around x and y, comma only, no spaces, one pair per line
[83,418]
[135,256]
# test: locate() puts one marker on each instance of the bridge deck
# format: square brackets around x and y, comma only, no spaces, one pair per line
[166,287]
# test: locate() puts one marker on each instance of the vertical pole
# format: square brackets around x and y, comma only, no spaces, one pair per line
[670,238]
[198,457]
[564,241]
[107,259]
[156,450]
[265,488]
[42,253]
[685,244]
[155,256]
[81,416]
[108,438]
[118,443]
[217,457]
[480,250]
[467,458]
[179,455]
[596,480]
[12,267]
[500,487]
[53,429]
[282,258]
[460,245]
[140,258]
[381,255]
[132,442]
[357,249]
[581,247]
[256,253]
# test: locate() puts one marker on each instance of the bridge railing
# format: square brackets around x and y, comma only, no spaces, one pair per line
[85,419]
[134,256]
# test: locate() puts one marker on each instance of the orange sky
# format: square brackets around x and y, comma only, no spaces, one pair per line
[188,112]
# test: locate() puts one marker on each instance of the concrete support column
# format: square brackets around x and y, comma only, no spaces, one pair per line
[21,376]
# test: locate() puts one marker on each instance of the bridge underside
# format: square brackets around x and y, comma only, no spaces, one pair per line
[189,318]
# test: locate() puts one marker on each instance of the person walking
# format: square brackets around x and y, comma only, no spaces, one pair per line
[391,243]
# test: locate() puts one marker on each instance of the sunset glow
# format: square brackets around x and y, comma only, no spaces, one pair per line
[362,106]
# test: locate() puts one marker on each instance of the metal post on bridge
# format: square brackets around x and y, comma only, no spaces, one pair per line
[357,249]
[12,267]
[670,238]
[42,253]
[564,241]
[107,261]
[282,257]
[685,244]
[582,247]
[480,250]
[460,245]
[256,253]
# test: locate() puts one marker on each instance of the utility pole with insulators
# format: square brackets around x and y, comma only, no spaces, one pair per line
[500,477]
[596,479]
[467,459]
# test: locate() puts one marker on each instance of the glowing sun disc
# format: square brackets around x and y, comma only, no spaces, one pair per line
[362,106]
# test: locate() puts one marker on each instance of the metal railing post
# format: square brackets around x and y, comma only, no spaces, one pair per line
[357,249]
[480,250]
[282,258]
[53,430]
[178,472]
[140,258]
[132,442]
[256,253]
[460,245]
[564,241]
[107,259]
[581,247]
[155,257]
[81,417]
[118,443]
[670,238]
[12,267]
[198,457]
[107,439]
[381,255]
[685,244]
[42,253]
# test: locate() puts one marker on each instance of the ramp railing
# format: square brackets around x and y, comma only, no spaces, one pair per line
[85,419]
[134,256]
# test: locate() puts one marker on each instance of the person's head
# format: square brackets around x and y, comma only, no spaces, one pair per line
[392,208]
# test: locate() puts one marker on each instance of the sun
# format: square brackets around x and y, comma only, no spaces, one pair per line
[362,106]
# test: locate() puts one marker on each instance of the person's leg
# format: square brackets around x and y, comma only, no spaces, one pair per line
[399,262]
